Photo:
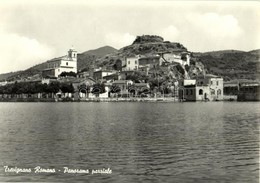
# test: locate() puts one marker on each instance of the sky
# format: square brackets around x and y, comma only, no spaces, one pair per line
[32,32]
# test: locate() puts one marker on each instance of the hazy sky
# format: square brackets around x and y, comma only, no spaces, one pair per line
[33,32]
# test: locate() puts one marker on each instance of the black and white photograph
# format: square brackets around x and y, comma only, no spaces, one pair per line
[148,91]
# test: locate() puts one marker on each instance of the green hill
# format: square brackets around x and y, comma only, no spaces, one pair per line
[231,64]
[9,74]
[100,52]
[87,59]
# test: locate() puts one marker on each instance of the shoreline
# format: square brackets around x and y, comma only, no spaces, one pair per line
[158,100]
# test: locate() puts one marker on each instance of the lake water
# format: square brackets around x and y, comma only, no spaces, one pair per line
[139,142]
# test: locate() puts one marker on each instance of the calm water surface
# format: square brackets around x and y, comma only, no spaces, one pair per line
[139,142]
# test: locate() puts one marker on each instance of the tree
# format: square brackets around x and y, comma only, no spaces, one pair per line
[187,67]
[180,69]
[53,87]
[115,88]
[137,77]
[118,65]
[65,74]
[67,88]
[98,88]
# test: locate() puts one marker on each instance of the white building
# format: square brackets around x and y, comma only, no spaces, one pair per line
[206,87]
[132,63]
[182,58]
[66,63]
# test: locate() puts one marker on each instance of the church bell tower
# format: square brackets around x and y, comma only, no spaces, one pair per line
[72,53]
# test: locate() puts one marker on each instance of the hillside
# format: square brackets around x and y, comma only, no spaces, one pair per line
[100,52]
[85,60]
[231,64]
[149,45]
[9,74]
[146,44]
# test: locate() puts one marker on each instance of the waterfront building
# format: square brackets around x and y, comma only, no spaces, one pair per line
[214,84]
[142,89]
[231,87]
[249,91]
[82,87]
[66,63]
[230,90]
[242,90]
[122,85]
[204,88]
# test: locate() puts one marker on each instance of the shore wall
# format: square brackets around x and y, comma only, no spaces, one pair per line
[27,100]
[226,98]
[230,97]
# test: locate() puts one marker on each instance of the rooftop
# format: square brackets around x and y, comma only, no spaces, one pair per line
[121,81]
[208,76]
[141,84]
[104,71]
[241,82]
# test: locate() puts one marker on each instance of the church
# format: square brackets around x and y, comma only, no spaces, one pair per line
[66,63]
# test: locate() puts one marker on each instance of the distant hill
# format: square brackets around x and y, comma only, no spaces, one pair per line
[100,52]
[231,64]
[7,75]
[87,59]
[255,52]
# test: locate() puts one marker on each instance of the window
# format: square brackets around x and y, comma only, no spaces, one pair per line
[135,62]
[211,82]
[212,92]
[128,62]
[191,92]
[66,63]
[200,92]
[217,83]
[219,92]
[201,82]
[187,92]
